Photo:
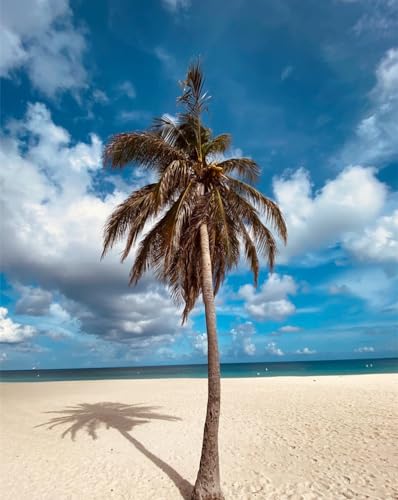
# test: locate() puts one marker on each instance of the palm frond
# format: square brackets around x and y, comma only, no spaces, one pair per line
[174,179]
[264,240]
[247,214]
[147,254]
[193,96]
[243,167]
[250,252]
[169,128]
[146,148]
[131,216]
[176,216]
[265,206]
[218,145]
[225,227]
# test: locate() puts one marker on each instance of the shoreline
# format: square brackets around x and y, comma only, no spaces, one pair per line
[388,358]
[280,437]
[228,371]
[186,379]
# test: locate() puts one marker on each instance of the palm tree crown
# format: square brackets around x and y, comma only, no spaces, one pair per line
[195,184]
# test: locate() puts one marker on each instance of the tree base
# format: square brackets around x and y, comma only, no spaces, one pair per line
[201,494]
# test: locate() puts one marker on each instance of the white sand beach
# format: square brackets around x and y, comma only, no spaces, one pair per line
[280,438]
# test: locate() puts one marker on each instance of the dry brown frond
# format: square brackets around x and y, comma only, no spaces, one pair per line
[243,167]
[147,149]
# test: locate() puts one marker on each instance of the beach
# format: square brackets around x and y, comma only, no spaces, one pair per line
[293,438]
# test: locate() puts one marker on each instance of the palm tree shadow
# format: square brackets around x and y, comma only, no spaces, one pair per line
[123,418]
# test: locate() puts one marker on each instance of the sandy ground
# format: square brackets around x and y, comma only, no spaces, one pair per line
[281,438]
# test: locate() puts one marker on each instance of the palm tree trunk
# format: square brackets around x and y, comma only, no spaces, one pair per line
[207,486]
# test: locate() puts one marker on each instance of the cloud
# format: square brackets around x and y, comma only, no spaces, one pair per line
[166,353]
[334,289]
[135,116]
[273,349]
[199,344]
[375,140]
[28,347]
[373,285]
[40,37]
[52,238]
[337,212]
[286,72]
[358,331]
[100,96]
[271,301]
[365,349]
[305,350]
[33,301]
[242,340]
[378,242]
[391,308]
[58,323]
[378,18]
[169,63]
[176,5]
[289,329]
[249,348]
[12,332]
[126,89]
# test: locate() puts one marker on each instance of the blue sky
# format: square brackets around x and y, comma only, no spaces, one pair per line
[309,90]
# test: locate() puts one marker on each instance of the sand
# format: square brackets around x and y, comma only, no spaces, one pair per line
[280,438]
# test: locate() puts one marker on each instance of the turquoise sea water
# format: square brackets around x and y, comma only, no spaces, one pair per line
[302,368]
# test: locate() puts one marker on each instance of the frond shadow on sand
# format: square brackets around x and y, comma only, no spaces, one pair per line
[89,417]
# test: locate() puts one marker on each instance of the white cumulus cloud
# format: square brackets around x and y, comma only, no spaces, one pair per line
[39,36]
[365,349]
[199,343]
[12,332]
[273,349]
[242,340]
[305,350]
[378,242]
[375,139]
[289,329]
[335,213]
[271,301]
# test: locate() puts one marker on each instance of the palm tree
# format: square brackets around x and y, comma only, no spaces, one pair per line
[198,218]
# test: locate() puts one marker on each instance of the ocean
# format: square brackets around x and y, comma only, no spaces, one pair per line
[228,370]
